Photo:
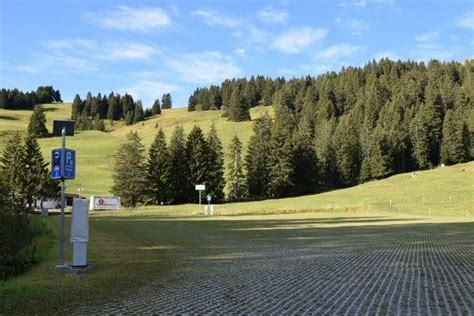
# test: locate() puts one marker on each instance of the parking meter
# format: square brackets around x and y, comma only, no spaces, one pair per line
[79,232]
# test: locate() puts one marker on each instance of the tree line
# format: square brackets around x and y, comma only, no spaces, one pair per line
[89,112]
[339,130]
[170,171]
[18,100]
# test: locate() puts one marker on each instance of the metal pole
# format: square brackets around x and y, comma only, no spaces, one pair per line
[61,227]
[199,197]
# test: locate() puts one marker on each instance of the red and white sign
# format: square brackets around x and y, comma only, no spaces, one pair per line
[104,203]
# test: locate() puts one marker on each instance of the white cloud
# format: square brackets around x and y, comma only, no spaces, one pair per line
[272,16]
[466,21]
[295,40]
[122,17]
[338,51]
[358,27]
[213,17]
[148,90]
[241,52]
[427,37]
[387,54]
[207,67]
[85,55]
[107,50]
[363,3]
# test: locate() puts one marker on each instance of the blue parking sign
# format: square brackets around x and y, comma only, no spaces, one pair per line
[69,164]
[63,164]
[56,164]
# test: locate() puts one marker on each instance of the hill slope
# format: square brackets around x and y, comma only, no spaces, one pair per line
[96,150]
[438,192]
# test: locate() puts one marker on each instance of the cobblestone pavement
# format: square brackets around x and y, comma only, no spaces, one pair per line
[275,268]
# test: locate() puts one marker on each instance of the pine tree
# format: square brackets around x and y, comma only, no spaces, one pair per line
[37,125]
[325,152]
[238,110]
[347,151]
[114,110]
[156,109]
[197,156]
[76,107]
[235,179]
[35,174]
[305,172]
[129,118]
[281,173]
[98,124]
[215,170]
[426,134]
[456,139]
[192,102]
[158,168]
[130,172]
[12,160]
[166,101]
[139,115]
[257,160]
[182,189]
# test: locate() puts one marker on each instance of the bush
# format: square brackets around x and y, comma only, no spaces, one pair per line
[18,236]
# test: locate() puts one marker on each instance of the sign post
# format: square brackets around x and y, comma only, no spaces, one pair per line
[63,166]
[200,187]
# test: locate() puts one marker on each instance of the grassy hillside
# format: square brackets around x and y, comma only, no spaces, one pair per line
[95,150]
[442,192]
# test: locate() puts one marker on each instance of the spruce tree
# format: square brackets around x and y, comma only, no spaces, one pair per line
[76,107]
[197,156]
[138,115]
[282,158]
[158,170]
[235,179]
[325,152]
[166,101]
[11,162]
[215,170]
[456,139]
[347,151]
[129,118]
[182,188]
[130,171]
[426,135]
[257,160]
[156,109]
[238,110]
[35,174]
[37,125]
[305,172]
[98,124]
[114,109]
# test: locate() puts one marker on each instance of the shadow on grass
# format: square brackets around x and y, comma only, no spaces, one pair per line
[128,252]
[8,118]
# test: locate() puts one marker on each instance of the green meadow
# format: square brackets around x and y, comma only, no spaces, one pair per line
[95,150]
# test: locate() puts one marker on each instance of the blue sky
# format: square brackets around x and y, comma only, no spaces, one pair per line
[148,48]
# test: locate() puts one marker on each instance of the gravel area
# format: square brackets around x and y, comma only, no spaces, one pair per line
[295,267]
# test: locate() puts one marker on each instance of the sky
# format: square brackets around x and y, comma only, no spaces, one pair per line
[148,48]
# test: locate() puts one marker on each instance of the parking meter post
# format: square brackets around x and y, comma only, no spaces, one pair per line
[63,202]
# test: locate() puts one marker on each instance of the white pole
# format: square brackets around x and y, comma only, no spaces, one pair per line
[61,228]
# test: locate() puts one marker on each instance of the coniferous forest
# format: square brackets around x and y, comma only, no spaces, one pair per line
[89,112]
[15,99]
[334,130]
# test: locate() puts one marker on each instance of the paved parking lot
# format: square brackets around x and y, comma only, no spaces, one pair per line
[370,266]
